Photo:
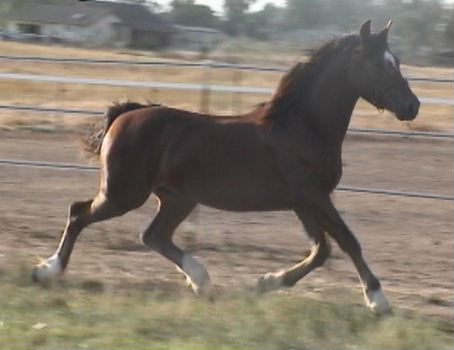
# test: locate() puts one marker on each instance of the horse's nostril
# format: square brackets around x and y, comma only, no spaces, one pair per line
[412,109]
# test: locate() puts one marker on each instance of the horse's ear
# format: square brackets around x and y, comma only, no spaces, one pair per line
[364,31]
[388,25]
[384,33]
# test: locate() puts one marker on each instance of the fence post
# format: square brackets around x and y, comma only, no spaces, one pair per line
[154,96]
[60,100]
[206,88]
[237,78]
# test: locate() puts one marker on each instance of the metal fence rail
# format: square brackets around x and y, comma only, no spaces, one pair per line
[48,165]
[39,109]
[367,131]
[395,193]
[135,83]
[81,167]
[205,64]
[168,85]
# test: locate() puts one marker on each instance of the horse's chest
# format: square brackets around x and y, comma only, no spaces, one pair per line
[328,174]
[322,171]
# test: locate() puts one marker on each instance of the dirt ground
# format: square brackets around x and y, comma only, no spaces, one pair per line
[408,242]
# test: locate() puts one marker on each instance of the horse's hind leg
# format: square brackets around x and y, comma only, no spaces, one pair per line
[80,215]
[158,236]
[318,255]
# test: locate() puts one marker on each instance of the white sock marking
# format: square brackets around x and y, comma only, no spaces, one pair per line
[196,275]
[377,302]
[49,269]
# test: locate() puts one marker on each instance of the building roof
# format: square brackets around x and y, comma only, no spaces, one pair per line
[135,16]
[74,12]
[198,29]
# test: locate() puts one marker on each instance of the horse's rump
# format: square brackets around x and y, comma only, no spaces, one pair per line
[93,141]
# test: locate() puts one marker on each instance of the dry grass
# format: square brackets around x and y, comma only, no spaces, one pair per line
[14,48]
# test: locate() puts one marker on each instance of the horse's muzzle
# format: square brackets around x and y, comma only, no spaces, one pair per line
[408,110]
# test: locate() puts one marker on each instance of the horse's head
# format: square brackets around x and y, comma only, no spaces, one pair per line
[376,75]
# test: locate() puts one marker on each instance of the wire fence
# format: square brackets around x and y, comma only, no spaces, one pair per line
[204,64]
[82,167]
[206,85]
[366,131]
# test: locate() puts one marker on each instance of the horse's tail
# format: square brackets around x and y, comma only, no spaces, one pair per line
[93,141]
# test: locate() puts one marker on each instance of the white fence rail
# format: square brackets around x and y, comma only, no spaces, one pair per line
[204,64]
[167,85]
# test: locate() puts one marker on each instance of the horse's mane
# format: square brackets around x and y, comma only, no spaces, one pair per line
[289,96]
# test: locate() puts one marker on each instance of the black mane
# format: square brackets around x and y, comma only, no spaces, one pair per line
[294,85]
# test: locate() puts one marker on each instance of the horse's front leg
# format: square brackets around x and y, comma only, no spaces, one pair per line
[335,226]
[320,251]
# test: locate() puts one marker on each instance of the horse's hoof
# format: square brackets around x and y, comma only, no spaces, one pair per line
[270,282]
[377,302]
[204,291]
[47,271]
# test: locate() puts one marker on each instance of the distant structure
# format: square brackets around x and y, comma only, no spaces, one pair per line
[197,38]
[91,23]
[306,37]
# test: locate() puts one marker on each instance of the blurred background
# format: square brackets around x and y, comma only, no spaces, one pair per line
[423,31]
[233,52]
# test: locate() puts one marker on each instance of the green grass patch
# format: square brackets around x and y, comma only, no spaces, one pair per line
[89,314]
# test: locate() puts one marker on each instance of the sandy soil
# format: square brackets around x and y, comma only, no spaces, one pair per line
[408,242]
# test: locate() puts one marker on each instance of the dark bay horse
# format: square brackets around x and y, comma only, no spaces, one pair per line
[284,155]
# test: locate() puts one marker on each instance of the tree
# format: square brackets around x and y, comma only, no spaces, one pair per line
[186,12]
[449,31]
[417,22]
[262,24]
[303,14]
[235,11]
[9,6]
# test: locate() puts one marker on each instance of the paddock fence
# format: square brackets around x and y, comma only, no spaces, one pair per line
[204,87]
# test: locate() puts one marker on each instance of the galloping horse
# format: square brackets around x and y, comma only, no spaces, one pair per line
[284,155]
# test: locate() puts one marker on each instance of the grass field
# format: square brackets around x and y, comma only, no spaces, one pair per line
[89,314]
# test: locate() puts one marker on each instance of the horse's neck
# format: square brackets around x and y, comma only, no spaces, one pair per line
[331,103]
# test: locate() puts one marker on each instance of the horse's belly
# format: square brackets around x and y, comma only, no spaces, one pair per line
[249,204]
[235,170]
[237,193]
